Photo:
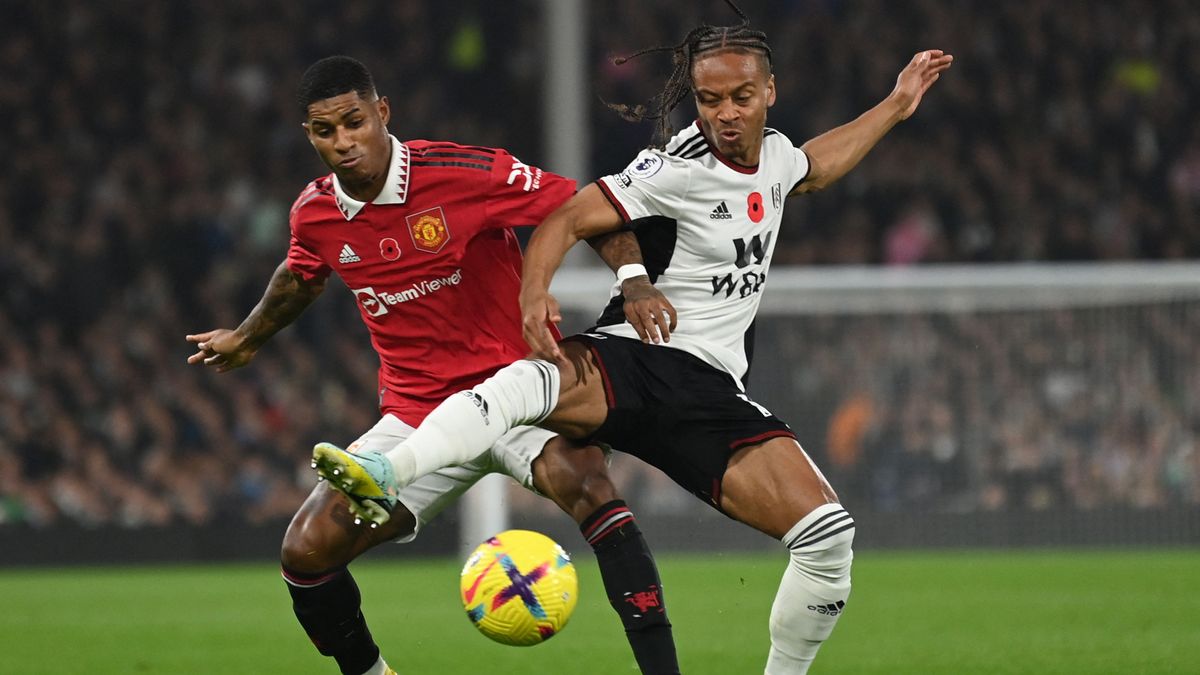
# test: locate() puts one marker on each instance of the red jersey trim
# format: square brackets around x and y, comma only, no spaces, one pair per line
[748,170]
[761,438]
[614,201]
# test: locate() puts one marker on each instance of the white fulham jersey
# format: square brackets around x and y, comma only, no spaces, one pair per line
[707,228]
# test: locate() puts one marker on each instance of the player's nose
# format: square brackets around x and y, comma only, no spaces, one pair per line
[342,140]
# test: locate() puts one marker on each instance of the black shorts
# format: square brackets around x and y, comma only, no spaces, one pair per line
[676,412]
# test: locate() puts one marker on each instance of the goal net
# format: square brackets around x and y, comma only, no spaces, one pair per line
[967,389]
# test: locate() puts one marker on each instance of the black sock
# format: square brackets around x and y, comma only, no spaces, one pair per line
[328,606]
[634,589]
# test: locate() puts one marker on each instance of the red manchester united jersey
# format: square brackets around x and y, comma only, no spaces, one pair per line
[432,263]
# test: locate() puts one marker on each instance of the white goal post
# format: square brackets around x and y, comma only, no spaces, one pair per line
[868,290]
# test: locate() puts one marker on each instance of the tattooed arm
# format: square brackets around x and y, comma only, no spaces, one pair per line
[646,308]
[286,298]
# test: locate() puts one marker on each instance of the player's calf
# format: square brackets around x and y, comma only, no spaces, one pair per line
[814,590]
[633,586]
[320,541]
[577,479]
[327,604]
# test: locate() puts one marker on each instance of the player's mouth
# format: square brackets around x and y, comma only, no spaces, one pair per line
[350,163]
[730,136]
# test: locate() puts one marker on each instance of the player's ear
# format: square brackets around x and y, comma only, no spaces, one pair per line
[770,90]
[385,110]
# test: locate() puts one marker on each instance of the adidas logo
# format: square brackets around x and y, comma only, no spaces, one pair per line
[348,255]
[831,609]
[480,403]
[721,213]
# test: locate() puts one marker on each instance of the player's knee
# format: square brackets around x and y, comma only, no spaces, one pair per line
[815,587]
[575,477]
[308,545]
[822,552]
[314,542]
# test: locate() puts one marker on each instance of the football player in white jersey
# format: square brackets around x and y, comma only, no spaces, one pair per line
[706,208]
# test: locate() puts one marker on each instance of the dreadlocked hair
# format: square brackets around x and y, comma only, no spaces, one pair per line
[703,38]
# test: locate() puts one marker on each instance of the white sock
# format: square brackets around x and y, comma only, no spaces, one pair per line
[380,668]
[470,422]
[814,589]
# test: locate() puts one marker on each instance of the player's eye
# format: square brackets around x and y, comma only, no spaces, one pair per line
[355,123]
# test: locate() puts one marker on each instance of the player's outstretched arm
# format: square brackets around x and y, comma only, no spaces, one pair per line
[584,216]
[834,153]
[286,297]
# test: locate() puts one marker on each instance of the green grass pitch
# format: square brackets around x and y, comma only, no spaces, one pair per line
[943,612]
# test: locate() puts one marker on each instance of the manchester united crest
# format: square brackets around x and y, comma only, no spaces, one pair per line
[428,229]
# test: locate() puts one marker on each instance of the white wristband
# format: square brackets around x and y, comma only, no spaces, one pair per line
[630,271]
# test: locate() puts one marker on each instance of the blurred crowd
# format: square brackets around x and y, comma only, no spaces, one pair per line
[1066,130]
[959,411]
[156,148]
[1032,409]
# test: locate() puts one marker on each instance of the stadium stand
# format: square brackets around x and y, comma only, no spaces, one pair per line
[155,148]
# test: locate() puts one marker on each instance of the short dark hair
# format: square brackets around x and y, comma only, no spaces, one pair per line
[702,40]
[334,76]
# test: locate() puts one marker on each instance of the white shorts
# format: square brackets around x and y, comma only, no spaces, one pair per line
[512,455]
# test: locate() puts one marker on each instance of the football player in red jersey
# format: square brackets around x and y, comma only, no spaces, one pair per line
[421,233]
[682,407]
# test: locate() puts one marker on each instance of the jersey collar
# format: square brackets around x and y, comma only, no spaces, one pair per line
[395,187]
[725,160]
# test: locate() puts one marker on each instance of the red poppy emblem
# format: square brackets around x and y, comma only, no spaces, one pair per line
[754,207]
[389,248]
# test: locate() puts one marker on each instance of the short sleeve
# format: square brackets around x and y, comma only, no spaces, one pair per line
[521,194]
[800,166]
[653,184]
[302,260]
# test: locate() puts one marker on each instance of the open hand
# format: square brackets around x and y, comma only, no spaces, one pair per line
[916,78]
